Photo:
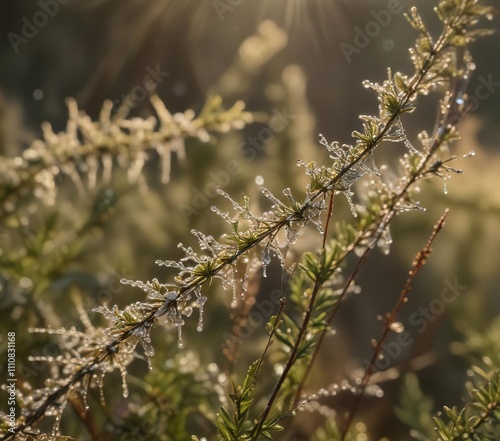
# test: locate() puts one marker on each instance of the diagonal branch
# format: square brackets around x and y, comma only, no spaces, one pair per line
[418,263]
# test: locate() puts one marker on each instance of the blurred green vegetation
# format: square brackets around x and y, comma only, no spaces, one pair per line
[282,58]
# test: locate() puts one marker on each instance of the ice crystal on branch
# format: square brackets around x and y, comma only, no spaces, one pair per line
[80,360]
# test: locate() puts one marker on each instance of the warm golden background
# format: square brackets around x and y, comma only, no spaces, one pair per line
[280,55]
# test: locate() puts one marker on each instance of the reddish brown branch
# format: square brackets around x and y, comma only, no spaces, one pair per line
[419,261]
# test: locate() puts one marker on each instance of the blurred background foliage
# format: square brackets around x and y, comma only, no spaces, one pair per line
[282,58]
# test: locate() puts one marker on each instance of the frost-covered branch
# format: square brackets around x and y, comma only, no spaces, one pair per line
[89,356]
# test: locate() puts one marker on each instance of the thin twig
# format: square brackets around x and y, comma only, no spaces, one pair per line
[419,261]
[302,332]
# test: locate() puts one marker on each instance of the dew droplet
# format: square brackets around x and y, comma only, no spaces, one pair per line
[348,195]
[37,94]
[180,345]
[200,303]
[388,45]
[259,180]
[57,422]
[266,257]
[83,393]
[266,260]
[359,251]
[397,327]
[123,373]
